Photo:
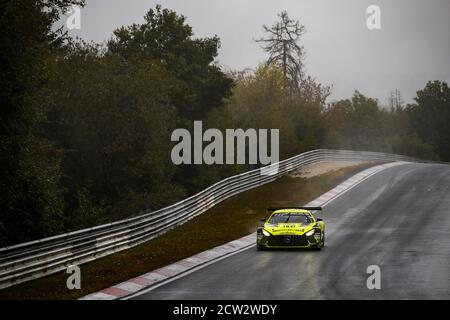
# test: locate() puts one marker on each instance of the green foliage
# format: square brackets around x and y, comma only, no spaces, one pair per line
[198,85]
[262,100]
[86,129]
[116,112]
[430,117]
[31,199]
[115,146]
[30,193]
[258,102]
[360,123]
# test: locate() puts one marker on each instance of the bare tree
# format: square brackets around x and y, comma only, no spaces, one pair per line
[283,47]
[395,100]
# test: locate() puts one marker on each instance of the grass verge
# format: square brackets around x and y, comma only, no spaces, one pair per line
[229,220]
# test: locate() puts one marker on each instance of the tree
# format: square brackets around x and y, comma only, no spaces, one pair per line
[197,84]
[115,115]
[31,203]
[282,44]
[395,100]
[164,38]
[357,123]
[304,98]
[430,116]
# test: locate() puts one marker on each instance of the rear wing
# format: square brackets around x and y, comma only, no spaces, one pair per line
[272,209]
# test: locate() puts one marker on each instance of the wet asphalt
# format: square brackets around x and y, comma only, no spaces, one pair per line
[398,220]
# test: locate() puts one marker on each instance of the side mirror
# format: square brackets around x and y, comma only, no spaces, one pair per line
[319,219]
[263,219]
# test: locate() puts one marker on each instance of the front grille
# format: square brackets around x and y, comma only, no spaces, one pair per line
[291,240]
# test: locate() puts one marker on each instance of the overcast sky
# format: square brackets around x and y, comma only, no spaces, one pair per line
[412,47]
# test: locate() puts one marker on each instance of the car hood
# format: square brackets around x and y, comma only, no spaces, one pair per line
[288,228]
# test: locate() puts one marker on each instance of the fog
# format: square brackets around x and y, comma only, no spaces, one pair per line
[411,48]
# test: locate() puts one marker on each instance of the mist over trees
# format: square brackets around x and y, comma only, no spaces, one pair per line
[85,130]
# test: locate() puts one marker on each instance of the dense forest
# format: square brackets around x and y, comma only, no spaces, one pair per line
[85,128]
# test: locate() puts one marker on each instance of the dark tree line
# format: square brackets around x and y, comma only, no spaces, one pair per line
[30,194]
[85,135]
[85,128]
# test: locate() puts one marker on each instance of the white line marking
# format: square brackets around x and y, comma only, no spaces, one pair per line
[99,296]
[153,276]
[129,286]
[176,267]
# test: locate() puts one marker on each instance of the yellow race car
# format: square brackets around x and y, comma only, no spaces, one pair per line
[291,227]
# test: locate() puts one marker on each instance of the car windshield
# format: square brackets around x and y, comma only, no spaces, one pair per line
[289,217]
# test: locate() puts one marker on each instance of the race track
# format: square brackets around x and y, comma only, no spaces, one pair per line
[398,219]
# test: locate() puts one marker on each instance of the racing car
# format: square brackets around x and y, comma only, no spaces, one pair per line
[291,227]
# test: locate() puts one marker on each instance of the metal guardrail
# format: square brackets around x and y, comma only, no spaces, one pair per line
[35,259]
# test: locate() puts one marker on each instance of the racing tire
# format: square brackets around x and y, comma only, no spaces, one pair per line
[321,244]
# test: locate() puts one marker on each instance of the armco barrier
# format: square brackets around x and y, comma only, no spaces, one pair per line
[42,257]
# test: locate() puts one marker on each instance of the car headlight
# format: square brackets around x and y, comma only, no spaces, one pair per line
[310,232]
[267,234]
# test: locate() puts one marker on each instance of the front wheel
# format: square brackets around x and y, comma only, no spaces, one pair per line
[320,245]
